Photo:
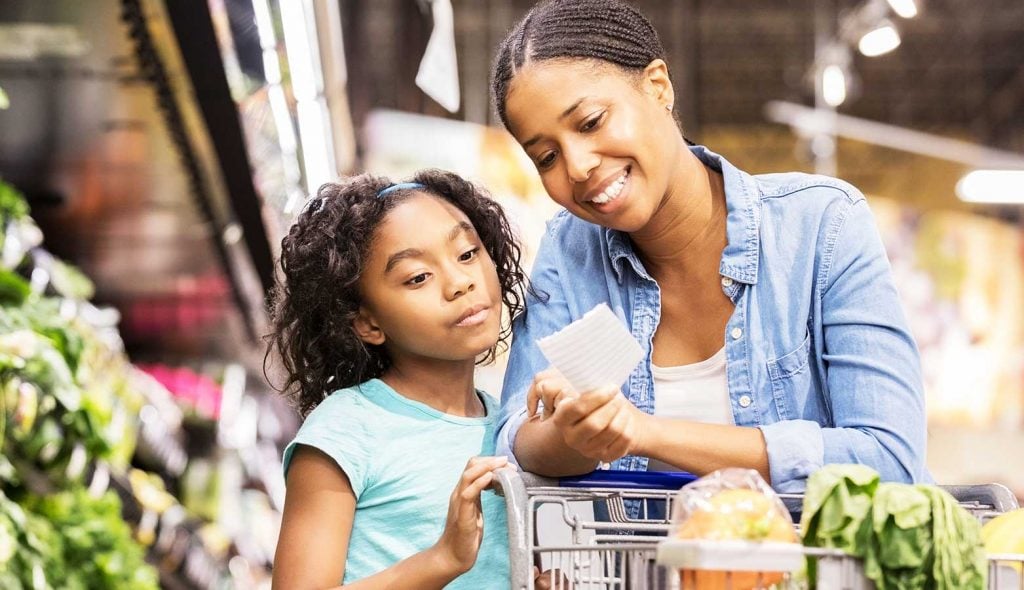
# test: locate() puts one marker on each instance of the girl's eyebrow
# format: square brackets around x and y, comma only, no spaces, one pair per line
[393,260]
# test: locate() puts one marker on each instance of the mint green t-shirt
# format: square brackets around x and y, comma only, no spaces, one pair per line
[403,459]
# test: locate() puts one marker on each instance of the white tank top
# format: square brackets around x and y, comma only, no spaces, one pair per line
[698,392]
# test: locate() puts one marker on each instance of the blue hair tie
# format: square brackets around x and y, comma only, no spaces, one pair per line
[397,187]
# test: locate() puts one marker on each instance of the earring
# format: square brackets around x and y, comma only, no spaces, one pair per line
[668,108]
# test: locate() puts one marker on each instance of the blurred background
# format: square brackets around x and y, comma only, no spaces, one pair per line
[153,154]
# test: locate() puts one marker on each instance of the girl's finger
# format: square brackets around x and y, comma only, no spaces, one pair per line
[477,486]
[477,466]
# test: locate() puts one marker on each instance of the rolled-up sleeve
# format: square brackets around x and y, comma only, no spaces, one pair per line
[546,312]
[871,366]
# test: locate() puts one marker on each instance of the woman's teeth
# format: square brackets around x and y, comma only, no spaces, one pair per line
[613,191]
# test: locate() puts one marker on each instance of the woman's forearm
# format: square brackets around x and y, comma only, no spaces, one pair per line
[701,448]
[540,449]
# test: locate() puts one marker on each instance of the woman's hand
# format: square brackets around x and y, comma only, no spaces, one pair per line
[464,528]
[549,388]
[600,424]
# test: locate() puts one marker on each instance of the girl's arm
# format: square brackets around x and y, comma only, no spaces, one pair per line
[317,524]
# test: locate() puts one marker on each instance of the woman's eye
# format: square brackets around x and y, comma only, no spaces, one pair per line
[546,160]
[591,123]
[417,280]
[468,255]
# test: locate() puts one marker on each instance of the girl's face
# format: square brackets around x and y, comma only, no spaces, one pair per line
[430,290]
[603,141]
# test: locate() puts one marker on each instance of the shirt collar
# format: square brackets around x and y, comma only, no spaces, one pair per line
[743,217]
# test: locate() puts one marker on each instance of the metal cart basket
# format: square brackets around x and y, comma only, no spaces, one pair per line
[620,552]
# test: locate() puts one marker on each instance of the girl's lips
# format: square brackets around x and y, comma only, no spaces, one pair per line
[474,318]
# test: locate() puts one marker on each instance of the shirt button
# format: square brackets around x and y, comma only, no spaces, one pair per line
[745,401]
[726,281]
[736,333]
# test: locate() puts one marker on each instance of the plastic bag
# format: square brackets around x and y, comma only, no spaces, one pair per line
[737,518]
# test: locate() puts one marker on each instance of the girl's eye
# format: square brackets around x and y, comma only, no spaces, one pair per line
[417,280]
[592,122]
[546,160]
[469,254]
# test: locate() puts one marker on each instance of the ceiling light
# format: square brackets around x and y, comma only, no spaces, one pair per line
[833,85]
[992,186]
[904,8]
[880,40]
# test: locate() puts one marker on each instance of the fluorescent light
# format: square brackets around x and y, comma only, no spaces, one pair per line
[992,186]
[303,60]
[879,40]
[904,8]
[833,85]
[317,149]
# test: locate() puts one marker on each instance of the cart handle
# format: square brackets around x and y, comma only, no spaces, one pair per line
[629,480]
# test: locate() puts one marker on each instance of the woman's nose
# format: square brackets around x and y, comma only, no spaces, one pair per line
[580,163]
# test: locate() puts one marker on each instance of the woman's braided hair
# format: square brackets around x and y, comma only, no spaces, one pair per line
[612,31]
[317,295]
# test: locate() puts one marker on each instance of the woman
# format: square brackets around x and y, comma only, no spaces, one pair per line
[773,334]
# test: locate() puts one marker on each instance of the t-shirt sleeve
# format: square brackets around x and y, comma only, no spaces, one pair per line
[338,428]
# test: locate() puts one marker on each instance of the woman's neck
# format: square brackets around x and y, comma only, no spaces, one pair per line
[446,386]
[686,235]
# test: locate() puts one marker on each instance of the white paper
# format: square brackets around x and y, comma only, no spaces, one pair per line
[594,351]
[438,75]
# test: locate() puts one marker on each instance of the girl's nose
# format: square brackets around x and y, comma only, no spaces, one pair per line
[459,283]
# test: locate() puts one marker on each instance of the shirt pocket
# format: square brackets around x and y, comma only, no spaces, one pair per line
[791,382]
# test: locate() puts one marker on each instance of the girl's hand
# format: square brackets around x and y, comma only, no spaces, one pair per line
[463,531]
[549,580]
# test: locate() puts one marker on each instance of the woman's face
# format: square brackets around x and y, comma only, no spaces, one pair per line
[603,140]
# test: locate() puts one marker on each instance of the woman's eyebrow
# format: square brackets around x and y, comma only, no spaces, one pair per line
[564,114]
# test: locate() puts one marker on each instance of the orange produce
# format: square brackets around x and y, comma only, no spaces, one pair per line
[735,515]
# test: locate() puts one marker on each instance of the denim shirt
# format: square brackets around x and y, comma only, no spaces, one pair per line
[818,353]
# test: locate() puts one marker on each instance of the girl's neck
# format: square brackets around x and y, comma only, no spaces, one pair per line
[446,386]
[686,235]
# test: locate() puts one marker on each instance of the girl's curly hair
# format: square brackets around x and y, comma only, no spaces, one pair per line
[317,295]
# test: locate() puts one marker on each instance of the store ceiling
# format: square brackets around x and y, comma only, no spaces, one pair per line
[84,139]
[959,72]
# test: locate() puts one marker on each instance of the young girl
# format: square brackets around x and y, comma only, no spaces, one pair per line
[390,295]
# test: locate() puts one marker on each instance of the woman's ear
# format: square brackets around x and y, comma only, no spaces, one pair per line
[657,83]
[367,329]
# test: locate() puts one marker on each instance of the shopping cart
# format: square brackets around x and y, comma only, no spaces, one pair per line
[621,552]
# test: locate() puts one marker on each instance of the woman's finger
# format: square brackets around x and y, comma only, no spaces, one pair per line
[581,406]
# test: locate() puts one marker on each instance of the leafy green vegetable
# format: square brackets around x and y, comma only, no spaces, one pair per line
[13,288]
[12,203]
[98,548]
[909,536]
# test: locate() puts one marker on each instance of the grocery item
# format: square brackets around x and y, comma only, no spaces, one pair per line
[909,536]
[1005,534]
[731,512]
